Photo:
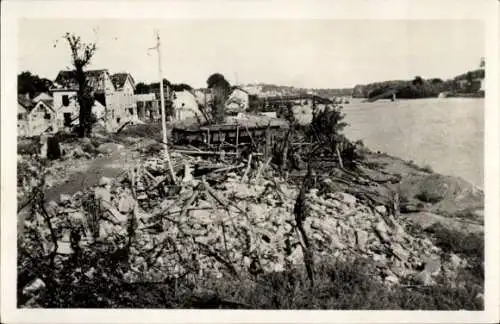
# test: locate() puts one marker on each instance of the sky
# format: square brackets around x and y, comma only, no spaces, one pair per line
[300,53]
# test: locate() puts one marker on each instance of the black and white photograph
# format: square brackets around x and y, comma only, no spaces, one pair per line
[220,163]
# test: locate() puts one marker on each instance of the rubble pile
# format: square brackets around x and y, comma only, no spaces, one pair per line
[241,226]
[341,225]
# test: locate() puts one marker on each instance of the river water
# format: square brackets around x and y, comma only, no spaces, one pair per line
[446,134]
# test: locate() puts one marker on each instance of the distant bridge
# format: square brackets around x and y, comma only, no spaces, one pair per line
[389,94]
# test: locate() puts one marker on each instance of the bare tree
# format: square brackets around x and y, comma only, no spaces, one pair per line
[81,55]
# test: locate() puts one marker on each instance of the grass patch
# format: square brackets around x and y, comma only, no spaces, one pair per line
[469,245]
[29,146]
[467,214]
[339,285]
[426,168]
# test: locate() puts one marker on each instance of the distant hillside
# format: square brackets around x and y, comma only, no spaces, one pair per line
[469,83]
[267,90]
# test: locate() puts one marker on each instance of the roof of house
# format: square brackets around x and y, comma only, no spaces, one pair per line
[119,80]
[184,94]
[29,104]
[184,97]
[67,80]
[41,96]
[48,102]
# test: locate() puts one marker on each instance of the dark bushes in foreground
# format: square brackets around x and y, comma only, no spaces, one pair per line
[339,285]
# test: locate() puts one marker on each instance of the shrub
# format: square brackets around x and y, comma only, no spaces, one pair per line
[153,131]
[29,147]
[427,168]
[339,285]
[470,245]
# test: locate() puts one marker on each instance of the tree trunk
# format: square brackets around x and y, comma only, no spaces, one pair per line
[339,156]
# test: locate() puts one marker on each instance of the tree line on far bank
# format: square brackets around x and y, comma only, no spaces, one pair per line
[467,83]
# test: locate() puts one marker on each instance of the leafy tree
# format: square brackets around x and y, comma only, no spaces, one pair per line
[32,83]
[215,79]
[221,89]
[141,88]
[81,55]
[181,87]
[326,128]
[418,81]
[436,81]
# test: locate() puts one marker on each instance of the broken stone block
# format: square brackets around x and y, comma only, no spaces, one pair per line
[479,298]
[400,252]
[297,255]
[77,152]
[64,247]
[33,287]
[336,244]
[76,218]
[381,258]
[350,200]
[51,207]
[454,261]
[433,265]
[142,196]
[399,270]
[381,210]
[424,278]
[102,194]
[391,280]
[381,231]
[104,181]
[64,198]
[126,204]
[361,239]
[90,273]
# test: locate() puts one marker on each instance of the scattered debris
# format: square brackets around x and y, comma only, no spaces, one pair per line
[233,223]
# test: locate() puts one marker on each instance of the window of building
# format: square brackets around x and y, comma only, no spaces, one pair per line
[65,100]
[47,116]
[20,116]
[67,119]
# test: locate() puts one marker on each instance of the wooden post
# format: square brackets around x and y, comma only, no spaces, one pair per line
[268,141]
[163,115]
[237,138]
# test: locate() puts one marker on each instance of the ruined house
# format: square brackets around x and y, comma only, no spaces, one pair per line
[124,86]
[147,107]
[36,118]
[115,102]
[185,105]
[238,101]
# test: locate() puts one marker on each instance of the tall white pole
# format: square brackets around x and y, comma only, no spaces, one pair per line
[162,103]
[162,98]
